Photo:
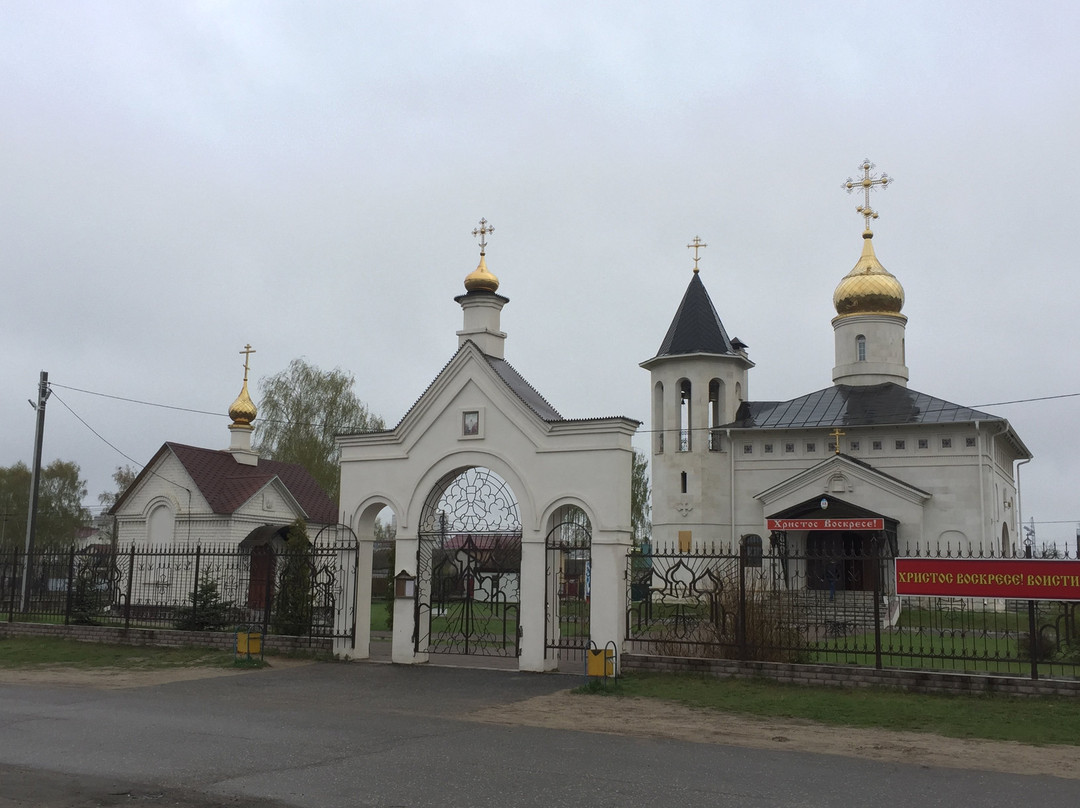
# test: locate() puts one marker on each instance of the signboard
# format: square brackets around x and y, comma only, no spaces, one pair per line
[1022,578]
[866,523]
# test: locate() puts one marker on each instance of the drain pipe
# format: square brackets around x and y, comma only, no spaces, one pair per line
[731,483]
[1020,503]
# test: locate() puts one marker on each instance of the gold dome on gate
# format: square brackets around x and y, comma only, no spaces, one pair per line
[869,288]
[481,279]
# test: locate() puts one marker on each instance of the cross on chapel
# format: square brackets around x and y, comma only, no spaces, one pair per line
[247,352]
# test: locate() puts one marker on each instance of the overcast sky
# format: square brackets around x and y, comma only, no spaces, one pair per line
[179,179]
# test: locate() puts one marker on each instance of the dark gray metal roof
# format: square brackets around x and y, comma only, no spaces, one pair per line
[523,390]
[696,327]
[847,405]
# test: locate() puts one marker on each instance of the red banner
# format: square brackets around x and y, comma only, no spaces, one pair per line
[869,523]
[1022,579]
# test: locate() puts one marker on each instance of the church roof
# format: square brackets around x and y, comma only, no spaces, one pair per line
[227,485]
[523,390]
[847,405]
[696,327]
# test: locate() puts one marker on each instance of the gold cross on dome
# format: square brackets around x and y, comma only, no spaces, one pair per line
[696,245]
[247,352]
[867,184]
[482,231]
[836,434]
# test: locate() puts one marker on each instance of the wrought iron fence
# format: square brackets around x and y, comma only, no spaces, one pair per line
[280,590]
[835,607]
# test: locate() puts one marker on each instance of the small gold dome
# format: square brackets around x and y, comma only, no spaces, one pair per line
[243,410]
[480,280]
[869,288]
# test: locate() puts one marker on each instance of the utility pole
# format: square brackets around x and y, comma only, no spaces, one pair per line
[35,477]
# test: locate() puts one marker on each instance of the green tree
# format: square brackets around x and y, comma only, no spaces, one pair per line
[122,477]
[293,603]
[640,509]
[301,410]
[60,512]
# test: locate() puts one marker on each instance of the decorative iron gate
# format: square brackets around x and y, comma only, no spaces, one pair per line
[566,594]
[468,567]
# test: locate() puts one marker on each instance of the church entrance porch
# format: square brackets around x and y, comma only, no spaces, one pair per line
[839,561]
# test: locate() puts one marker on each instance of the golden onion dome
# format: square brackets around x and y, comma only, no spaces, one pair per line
[243,410]
[480,279]
[869,288]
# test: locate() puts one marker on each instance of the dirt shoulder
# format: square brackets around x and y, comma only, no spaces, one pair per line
[658,719]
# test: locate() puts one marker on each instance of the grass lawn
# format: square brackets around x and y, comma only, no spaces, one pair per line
[1033,721]
[28,652]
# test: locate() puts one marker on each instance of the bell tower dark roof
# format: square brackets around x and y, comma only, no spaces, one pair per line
[696,327]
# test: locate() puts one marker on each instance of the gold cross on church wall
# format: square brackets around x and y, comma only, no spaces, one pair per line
[482,231]
[696,245]
[247,352]
[836,434]
[867,184]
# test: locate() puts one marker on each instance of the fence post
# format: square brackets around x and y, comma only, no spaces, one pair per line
[195,588]
[268,593]
[70,584]
[127,596]
[11,583]
[875,545]
[1033,635]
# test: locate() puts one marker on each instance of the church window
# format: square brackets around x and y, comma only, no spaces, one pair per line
[768,448]
[924,443]
[748,448]
[969,442]
[160,525]
[683,482]
[946,443]
[789,448]
[832,446]
[658,416]
[900,445]
[811,447]
[684,415]
[860,348]
[853,446]
[876,446]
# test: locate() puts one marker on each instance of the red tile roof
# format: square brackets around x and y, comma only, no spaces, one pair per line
[227,485]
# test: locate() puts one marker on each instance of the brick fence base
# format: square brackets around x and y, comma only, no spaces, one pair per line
[225,641]
[851,676]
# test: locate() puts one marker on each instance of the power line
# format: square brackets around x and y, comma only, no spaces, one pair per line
[1027,400]
[137,401]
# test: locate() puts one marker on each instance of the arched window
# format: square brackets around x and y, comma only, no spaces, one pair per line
[160,525]
[860,348]
[658,417]
[716,413]
[684,416]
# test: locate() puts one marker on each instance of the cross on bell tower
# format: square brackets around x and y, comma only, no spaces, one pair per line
[696,245]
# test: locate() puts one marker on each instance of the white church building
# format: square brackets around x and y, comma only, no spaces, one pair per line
[937,476]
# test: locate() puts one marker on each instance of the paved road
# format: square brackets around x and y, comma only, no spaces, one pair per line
[381,735]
